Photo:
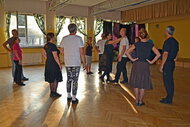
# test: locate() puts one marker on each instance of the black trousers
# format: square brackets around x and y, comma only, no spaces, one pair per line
[168,71]
[121,67]
[18,72]
[99,62]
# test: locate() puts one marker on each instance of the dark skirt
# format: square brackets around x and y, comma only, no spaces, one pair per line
[140,76]
[106,63]
[52,72]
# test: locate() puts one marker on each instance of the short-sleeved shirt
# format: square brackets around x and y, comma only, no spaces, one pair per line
[101,44]
[16,47]
[124,42]
[143,50]
[72,45]
[150,41]
[171,46]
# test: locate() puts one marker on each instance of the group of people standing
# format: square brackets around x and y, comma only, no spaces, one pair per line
[139,54]
[74,53]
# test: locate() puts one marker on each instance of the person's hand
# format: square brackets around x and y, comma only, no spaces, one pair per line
[119,58]
[161,69]
[60,66]
[150,62]
[135,59]
[84,66]
[20,62]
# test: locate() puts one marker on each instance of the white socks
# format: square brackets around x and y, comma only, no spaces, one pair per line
[74,97]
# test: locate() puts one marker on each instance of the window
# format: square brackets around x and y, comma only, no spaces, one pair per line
[29,32]
[99,26]
[98,37]
[64,31]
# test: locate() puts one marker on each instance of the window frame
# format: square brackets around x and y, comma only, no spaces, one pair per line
[26,30]
[84,37]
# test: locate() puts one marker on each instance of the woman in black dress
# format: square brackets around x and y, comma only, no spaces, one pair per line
[109,56]
[53,67]
[140,74]
[108,52]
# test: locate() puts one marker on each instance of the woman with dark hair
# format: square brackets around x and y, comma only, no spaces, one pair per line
[108,55]
[140,74]
[53,66]
[107,58]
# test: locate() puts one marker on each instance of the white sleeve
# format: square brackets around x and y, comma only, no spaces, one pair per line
[62,43]
[127,43]
[97,43]
[81,44]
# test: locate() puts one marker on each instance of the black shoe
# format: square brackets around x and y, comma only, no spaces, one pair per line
[76,101]
[55,94]
[165,101]
[69,99]
[124,82]
[137,103]
[21,84]
[114,81]
[25,79]
[91,73]
[141,104]
[102,79]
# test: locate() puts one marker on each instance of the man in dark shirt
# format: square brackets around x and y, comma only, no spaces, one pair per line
[170,51]
[8,46]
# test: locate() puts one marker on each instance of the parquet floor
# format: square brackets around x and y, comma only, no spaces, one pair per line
[101,105]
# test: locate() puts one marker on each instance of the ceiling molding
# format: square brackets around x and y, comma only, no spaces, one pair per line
[57,4]
[119,5]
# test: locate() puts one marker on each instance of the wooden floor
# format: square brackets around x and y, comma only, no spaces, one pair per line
[101,105]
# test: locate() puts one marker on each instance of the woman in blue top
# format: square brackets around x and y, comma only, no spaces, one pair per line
[140,74]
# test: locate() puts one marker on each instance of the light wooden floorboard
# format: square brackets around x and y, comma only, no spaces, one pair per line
[101,105]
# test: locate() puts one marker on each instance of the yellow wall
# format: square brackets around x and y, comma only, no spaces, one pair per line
[156,31]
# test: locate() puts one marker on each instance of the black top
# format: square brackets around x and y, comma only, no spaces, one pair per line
[89,50]
[171,46]
[143,50]
[49,48]
[108,49]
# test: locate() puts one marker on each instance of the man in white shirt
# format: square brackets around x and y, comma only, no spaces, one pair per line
[100,48]
[122,58]
[73,50]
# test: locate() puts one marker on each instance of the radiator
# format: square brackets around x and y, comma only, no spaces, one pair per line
[32,58]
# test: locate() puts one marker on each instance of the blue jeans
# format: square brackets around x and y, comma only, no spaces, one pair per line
[14,66]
